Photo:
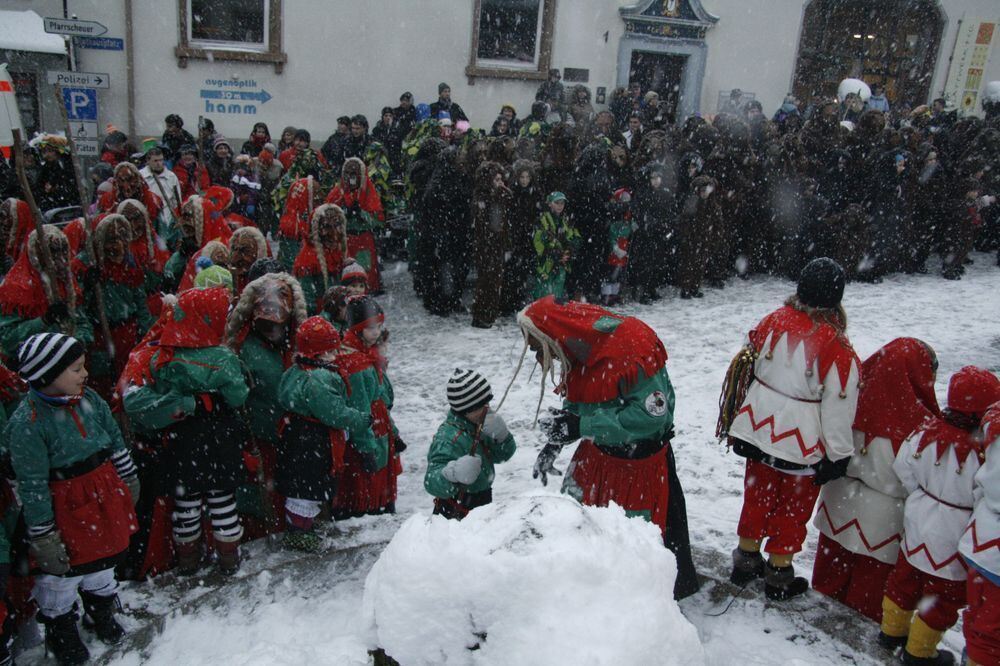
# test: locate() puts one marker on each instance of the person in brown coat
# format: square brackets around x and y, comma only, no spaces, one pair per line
[700,215]
[961,221]
[491,211]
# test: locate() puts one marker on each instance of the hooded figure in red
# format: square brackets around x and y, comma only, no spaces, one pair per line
[199,224]
[357,197]
[322,256]
[860,516]
[304,196]
[937,465]
[618,398]
[16,222]
[128,183]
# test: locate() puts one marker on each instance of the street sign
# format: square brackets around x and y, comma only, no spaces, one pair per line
[261,96]
[83,129]
[81,103]
[101,43]
[74,27]
[79,79]
[86,147]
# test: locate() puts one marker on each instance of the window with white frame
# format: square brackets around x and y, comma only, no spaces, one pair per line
[230,24]
[511,38]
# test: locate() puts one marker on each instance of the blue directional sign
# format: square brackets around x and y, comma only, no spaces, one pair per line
[81,103]
[101,43]
[237,95]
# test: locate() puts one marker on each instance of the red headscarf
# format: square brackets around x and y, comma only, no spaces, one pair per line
[198,320]
[606,350]
[295,219]
[22,292]
[971,391]
[22,224]
[315,337]
[898,391]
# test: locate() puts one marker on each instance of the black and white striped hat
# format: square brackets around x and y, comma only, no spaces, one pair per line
[468,390]
[43,357]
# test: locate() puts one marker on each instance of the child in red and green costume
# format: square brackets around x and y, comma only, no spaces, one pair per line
[314,395]
[304,196]
[618,398]
[193,388]
[358,198]
[261,330]
[77,481]
[371,460]
[125,307]
[322,257]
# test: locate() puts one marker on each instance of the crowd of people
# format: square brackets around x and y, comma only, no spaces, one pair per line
[196,350]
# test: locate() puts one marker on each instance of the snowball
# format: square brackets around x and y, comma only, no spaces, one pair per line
[537,579]
[857,86]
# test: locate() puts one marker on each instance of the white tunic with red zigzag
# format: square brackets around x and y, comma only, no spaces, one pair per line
[981,541]
[863,511]
[801,405]
[937,467]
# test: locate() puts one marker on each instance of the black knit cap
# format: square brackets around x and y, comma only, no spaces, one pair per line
[821,283]
[264,266]
[360,309]
[44,356]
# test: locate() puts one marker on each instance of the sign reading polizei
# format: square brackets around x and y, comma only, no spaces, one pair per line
[74,27]
[79,79]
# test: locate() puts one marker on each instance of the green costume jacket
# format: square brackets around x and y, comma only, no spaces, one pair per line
[452,441]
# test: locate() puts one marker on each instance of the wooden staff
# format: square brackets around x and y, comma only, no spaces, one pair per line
[88,237]
[48,266]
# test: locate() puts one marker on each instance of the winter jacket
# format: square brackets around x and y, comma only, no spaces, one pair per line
[321,394]
[43,437]
[553,238]
[56,185]
[801,406]
[367,389]
[265,365]
[454,439]
[453,109]
[980,542]
[644,412]
[939,482]
[15,329]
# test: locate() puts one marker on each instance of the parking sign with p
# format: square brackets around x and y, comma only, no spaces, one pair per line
[81,103]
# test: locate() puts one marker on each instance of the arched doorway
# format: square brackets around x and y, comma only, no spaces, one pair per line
[893,42]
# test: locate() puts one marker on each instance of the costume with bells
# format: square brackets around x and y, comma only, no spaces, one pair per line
[261,329]
[75,479]
[794,426]
[313,394]
[937,465]
[860,516]
[193,387]
[371,460]
[618,398]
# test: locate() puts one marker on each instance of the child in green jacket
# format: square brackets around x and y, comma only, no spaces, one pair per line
[555,241]
[77,482]
[467,445]
[312,441]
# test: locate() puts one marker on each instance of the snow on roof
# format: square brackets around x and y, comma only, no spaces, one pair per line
[23,31]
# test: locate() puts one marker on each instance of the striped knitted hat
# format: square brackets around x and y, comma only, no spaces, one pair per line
[468,391]
[43,357]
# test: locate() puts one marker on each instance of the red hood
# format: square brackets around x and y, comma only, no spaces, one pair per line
[606,350]
[897,392]
[197,320]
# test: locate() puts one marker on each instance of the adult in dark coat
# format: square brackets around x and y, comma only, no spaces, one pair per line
[491,209]
[525,211]
[423,245]
[56,183]
[653,212]
[405,114]
[175,136]
[591,193]
[700,214]
[444,103]
[446,210]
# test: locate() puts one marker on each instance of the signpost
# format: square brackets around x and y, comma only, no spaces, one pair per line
[79,79]
[101,43]
[74,27]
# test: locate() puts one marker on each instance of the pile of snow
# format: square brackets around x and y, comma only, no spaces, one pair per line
[992,93]
[537,579]
[25,31]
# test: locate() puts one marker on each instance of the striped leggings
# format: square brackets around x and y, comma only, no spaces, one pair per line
[226,526]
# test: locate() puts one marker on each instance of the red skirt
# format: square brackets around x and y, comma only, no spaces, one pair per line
[361,247]
[160,548]
[981,621]
[94,515]
[639,486]
[857,581]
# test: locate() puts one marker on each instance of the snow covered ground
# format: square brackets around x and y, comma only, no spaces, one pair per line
[283,609]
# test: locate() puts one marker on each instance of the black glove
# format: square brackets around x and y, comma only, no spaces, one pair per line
[91,277]
[400,444]
[55,313]
[545,463]
[827,470]
[368,463]
[562,427]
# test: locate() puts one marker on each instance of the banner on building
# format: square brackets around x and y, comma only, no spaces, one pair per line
[968,64]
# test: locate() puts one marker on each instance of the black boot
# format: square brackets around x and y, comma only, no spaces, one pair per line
[891,643]
[99,617]
[747,567]
[942,658]
[63,639]
[781,583]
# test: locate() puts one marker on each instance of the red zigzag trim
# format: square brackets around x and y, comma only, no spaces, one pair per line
[976,546]
[854,522]
[775,438]
[927,553]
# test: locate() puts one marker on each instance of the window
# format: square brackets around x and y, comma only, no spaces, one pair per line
[511,38]
[244,30]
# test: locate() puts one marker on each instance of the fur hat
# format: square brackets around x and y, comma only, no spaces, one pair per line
[258,238]
[197,205]
[318,214]
[101,233]
[34,258]
[315,337]
[242,313]
[141,207]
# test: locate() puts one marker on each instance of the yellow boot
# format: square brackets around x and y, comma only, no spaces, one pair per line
[895,625]
[921,646]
